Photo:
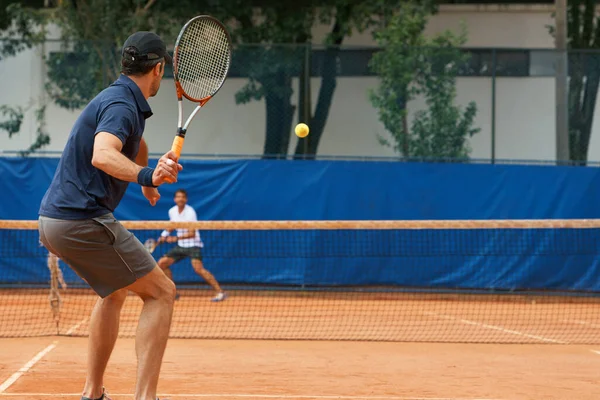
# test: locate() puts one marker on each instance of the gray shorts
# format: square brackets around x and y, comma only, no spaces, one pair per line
[100,250]
[179,253]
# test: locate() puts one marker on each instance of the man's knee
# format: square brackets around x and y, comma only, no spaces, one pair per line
[165,262]
[167,289]
[163,289]
[116,298]
[155,286]
[170,290]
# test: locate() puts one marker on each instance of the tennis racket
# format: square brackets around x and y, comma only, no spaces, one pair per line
[201,62]
[150,245]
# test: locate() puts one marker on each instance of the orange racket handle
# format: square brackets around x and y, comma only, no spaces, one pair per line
[177,145]
[176,148]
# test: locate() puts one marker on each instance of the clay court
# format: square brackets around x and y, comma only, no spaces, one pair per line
[321,345]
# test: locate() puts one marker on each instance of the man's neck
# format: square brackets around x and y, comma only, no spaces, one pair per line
[143,84]
[180,208]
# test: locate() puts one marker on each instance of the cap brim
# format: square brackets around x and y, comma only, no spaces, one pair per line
[168,59]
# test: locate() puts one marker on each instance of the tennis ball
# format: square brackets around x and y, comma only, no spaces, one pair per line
[301,130]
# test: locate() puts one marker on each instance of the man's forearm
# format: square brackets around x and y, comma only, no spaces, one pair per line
[114,163]
[188,235]
[142,156]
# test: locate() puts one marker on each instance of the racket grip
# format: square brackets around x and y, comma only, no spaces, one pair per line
[176,148]
[177,145]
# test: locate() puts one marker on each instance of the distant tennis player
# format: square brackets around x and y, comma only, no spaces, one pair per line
[105,151]
[189,244]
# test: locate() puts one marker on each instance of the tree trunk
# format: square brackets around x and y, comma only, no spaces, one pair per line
[405,146]
[304,97]
[583,92]
[575,89]
[279,112]
[584,33]
[589,105]
[403,140]
[327,90]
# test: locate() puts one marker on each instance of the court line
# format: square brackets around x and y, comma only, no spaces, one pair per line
[580,322]
[14,377]
[76,326]
[257,396]
[497,328]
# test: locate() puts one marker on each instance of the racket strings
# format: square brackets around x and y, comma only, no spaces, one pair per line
[203,58]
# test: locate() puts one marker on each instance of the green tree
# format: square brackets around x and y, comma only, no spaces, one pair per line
[270,37]
[410,65]
[267,34]
[346,17]
[19,26]
[92,33]
[583,35]
[283,30]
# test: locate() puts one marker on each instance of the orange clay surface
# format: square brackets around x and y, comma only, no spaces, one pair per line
[242,369]
[399,359]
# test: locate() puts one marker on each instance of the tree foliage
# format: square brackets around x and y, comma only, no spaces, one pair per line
[283,31]
[14,118]
[411,65]
[92,33]
[270,59]
[346,17]
[20,28]
[271,37]
[42,136]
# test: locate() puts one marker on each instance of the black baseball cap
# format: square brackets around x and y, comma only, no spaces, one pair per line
[148,46]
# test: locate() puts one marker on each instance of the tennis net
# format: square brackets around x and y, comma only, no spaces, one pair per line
[486,281]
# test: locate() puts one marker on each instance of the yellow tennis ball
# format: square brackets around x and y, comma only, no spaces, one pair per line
[301,130]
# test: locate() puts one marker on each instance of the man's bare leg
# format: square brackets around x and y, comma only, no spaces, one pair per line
[104,329]
[206,275]
[158,293]
[164,263]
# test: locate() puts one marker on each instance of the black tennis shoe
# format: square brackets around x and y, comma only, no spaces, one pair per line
[103,397]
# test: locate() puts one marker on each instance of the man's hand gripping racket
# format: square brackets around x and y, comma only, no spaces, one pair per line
[201,62]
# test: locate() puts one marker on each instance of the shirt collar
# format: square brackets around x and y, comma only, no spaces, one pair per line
[141,101]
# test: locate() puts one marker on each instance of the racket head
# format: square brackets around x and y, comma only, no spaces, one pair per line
[201,59]
[150,245]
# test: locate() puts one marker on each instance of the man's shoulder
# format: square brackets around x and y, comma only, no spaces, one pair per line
[111,92]
[106,99]
[115,95]
[172,212]
[190,209]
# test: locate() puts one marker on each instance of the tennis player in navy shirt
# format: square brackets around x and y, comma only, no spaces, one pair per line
[104,153]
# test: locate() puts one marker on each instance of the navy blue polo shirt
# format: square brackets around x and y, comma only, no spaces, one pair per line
[79,190]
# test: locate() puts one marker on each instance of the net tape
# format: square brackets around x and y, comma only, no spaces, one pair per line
[345,224]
